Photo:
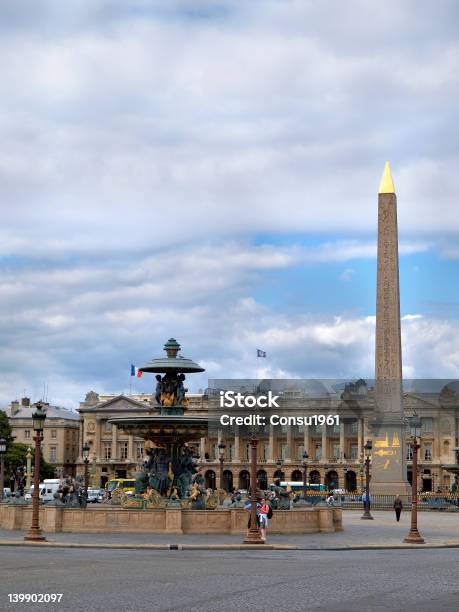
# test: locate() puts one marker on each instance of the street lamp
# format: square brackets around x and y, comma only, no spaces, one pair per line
[34,533]
[279,466]
[2,465]
[86,448]
[253,535]
[221,452]
[367,515]
[414,537]
[305,470]
[361,471]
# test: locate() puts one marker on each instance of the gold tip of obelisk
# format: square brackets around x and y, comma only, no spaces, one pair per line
[387,184]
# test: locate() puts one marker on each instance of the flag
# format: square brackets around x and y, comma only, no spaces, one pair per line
[135,371]
[261,353]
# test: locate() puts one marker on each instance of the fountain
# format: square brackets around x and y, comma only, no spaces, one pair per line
[170,477]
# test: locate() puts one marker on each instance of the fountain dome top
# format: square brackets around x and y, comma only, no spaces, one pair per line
[173,362]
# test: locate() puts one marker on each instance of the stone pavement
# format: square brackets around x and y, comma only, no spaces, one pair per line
[438,529]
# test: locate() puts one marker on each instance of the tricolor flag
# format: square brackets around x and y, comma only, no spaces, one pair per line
[261,353]
[135,371]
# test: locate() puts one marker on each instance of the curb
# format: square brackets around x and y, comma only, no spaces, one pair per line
[51,544]
[344,547]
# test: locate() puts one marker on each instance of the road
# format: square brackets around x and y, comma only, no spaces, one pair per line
[341,581]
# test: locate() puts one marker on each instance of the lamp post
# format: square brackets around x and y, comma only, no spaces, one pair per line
[305,471]
[361,471]
[367,515]
[28,468]
[221,452]
[253,535]
[414,537]
[34,532]
[279,466]
[2,465]
[85,450]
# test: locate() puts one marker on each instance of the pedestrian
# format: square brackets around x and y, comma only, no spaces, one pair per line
[398,505]
[264,511]
[366,496]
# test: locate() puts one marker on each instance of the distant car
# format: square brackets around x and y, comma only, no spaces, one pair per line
[94,496]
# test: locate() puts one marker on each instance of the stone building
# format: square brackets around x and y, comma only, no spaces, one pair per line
[335,453]
[60,435]
[113,454]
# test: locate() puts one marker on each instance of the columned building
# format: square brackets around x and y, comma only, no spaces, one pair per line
[335,452]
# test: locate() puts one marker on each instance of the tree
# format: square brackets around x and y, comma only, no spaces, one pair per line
[6,430]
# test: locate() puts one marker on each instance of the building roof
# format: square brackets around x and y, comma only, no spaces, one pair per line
[52,412]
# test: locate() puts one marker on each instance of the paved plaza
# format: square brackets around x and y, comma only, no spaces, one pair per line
[341,581]
[321,573]
[437,528]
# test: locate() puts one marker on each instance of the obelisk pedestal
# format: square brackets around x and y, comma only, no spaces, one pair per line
[388,424]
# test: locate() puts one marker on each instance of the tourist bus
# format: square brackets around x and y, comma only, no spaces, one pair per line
[126,484]
[299,486]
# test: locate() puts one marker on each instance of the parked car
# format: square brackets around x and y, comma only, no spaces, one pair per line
[95,496]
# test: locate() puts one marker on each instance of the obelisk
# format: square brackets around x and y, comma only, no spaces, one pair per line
[388,426]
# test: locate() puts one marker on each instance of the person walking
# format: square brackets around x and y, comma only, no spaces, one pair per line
[398,505]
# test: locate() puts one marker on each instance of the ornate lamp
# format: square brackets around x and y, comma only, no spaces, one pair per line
[38,417]
[367,448]
[3,447]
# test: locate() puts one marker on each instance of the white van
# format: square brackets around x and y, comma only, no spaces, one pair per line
[47,489]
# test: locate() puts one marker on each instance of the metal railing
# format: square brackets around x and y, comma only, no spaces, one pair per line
[354,501]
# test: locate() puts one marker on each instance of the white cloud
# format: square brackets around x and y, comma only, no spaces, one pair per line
[347,274]
[145,144]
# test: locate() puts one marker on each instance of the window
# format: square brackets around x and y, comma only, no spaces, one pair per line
[284,429]
[107,450]
[107,427]
[427,425]
[318,449]
[409,453]
[265,452]
[284,451]
[300,452]
[27,434]
[354,427]
[230,452]
[300,428]
[123,450]
[73,436]
[53,433]
[428,451]
[354,448]
[335,450]
[52,453]
[139,452]
[335,428]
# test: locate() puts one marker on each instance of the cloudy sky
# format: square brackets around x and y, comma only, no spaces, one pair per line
[209,170]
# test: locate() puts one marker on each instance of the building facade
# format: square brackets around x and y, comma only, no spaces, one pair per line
[335,452]
[60,435]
